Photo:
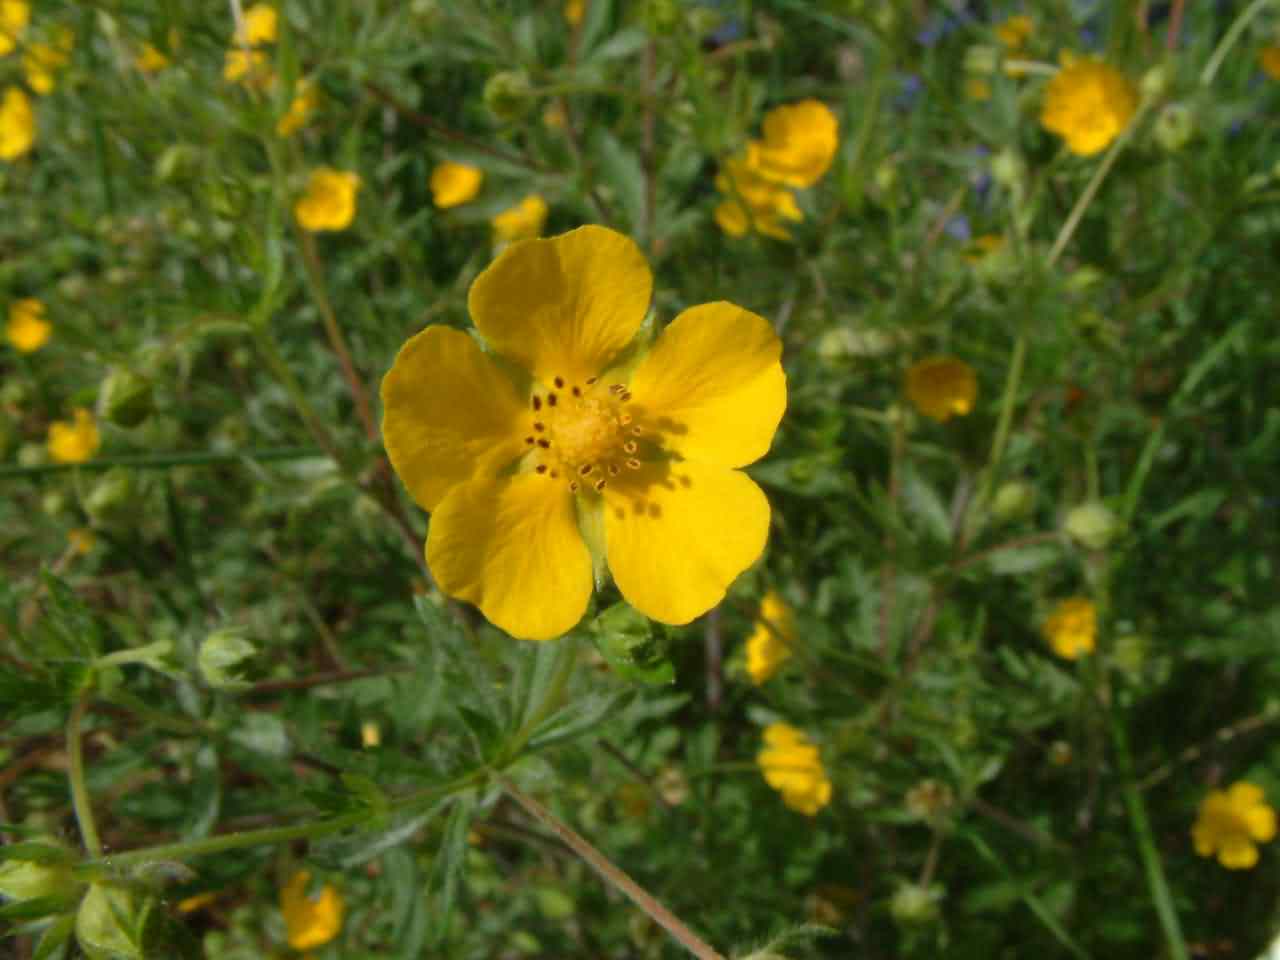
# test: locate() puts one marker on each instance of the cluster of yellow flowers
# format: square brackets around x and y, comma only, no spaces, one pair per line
[797,148]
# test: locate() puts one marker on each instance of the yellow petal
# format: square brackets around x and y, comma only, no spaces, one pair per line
[310,922]
[512,548]
[564,306]
[677,534]
[1237,853]
[712,386]
[449,414]
[453,184]
[1261,821]
[1242,794]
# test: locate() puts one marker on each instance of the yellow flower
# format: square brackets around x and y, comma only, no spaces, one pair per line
[330,200]
[42,60]
[574,11]
[1088,103]
[942,388]
[1015,31]
[753,202]
[17,124]
[1231,824]
[305,100]
[27,328]
[74,441]
[250,67]
[524,221]
[1269,58]
[771,642]
[799,143]
[453,184]
[310,922]
[977,88]
[259,27]
[14,15]
[1072,628]
[983,246]
[81,540]
[535,485]
[150,59]
[791,765]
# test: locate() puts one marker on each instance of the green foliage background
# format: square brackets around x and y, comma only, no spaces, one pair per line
[1139,369]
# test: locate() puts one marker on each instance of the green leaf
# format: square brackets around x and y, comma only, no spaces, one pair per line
[55,937]
[623,172]
[580,717]
[446,872]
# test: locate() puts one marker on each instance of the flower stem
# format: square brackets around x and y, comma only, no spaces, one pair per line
[80,799]
[612,875]
[1156,881]
[1229,40]
[1090,191]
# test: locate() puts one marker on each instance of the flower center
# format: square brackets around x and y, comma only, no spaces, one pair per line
[583,433]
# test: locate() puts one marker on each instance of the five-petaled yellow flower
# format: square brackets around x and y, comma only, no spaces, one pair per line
[587,456]
[1269,60]
[524,221]
[305,100]
[27,329]
[753,202]
[453,184]
[1088,103]
[14,15]
[1232,823]
[1072,628]
[75,440]
[799,144]
[329,202]
[310,922]
[791,765]
[942,388]
[771,643]
[17,124]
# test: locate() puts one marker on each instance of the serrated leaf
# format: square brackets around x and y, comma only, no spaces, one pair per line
[623,172]
[580,717]
[446,872]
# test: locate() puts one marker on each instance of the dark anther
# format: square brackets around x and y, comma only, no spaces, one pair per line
[544,443]
[537,403]
[636,432]
[586,468]
[617,388]
[613,470]
[555,474]
[551,399]
[629,446]
[591,380]
[633,464]
[528,440]
[573,486]
[559,383]
[541,468]
[599,485]
[577,391]
[539,426]
[626,396]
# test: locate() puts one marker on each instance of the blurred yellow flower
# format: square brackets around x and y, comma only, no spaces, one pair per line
[17,124]
[1232,823]
[791,765]
[1072,628]
[250,67]
[41,61]
[942,387]
[983,246]
[1015,31]
[524,221]
[310,922]
[81,540]
[753,202]
[305,100]
[150,59]
[977,88]
[14,15]
[329,202]
[535,489]
[799,143]
[75,440]
[259,27]
[773,638]
[574,11]
[453,184]
[1088,103]
[1269,59]
[27,329]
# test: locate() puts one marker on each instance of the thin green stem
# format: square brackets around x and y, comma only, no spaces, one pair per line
[612,875]
[271,354]
[1008,402]
[1156,882]
[80,799]
[1229,40]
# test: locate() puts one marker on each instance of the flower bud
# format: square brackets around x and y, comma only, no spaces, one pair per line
[1155,82]
[660,16]
[1013,501]
[1009,169]
[1175,125]
[54,503]
[508,94]
[47,874]
[915,906]
[930,800]
[220,654]
[1091,525]
[32,455]
[124,398]
[980,59]
[113,499]
[885,177]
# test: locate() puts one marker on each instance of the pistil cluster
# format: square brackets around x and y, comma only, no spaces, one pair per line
[583,433]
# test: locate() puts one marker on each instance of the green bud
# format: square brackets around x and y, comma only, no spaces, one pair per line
[15,392]
[1175,126]
[1129,653]
[426,12]
[1084,278]
[1013,501]
[625,638]
[1155,82]
[885,177]
[32,455]
[1092,525]
[930,800]
[47,874]
[174,161]
[844,343]
[916,906]
[508,94]
[74,286]
[220,654]
[112,501]
[124,398]
[1009,169]
[660,16]
[54,503]
[981,59]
